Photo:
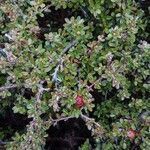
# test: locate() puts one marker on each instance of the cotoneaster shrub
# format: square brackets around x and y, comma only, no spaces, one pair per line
[96,67]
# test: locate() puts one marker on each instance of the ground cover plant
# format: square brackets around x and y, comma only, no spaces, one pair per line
[74,74]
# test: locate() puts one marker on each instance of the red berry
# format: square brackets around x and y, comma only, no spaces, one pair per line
[79,101]
[131,134]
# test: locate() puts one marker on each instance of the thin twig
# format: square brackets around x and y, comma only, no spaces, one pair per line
[55,121]
[86,118]
[55,78]
[66,49]
[40,92]
[20,11]
[84,11]
[11,86]
[3,52]
[8,55]
[90,87]
[2,142]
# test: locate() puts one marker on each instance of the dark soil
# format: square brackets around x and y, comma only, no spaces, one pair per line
[67,135]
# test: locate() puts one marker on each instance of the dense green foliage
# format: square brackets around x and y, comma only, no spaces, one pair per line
[101,50]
